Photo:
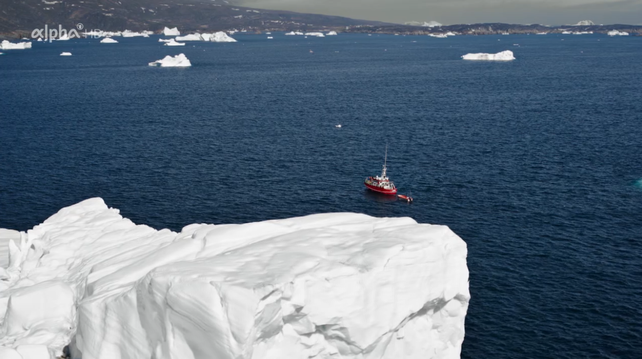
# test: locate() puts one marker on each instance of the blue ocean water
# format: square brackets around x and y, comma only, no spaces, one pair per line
[535,163]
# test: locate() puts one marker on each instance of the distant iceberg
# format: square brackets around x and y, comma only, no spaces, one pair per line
[331,33]
[317,34]
[108,40]
[500,56]
[165,40]
[215,37]
[617,33]
[179,60]
[6,45]
[439,36]
[292,33]
[171,32]
[128,33]
[190,37]
[65,54]
[173,42]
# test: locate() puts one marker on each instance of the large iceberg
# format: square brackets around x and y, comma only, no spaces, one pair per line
[171,32]
[500,56]
[339,285]
[179,60]
[6,45]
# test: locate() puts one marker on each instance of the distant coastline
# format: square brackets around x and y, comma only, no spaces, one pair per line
[20,19]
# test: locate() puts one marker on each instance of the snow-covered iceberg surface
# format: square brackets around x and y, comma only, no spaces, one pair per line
[179,60]
[65,54]
[500,56]
[6,45]
[339,285]
[171,32]
[108,40]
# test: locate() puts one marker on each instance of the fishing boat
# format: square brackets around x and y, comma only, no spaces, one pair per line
[381,184]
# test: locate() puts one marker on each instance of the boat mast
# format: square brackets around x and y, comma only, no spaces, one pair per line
[383,173]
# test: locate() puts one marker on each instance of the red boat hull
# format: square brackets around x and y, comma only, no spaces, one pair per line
[381,190]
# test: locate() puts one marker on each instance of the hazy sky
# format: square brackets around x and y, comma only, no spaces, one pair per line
[551,12]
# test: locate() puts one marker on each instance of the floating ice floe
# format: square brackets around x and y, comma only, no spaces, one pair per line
[108,40]
[165,40]
[179,60]
[541,33]
[171,32]
[617,33]
[6,45]
[340,285]
[316,34]
[500,56]
[292,33]
[331,33]
[173,42]
[213,37]
[65,54]
[270,37]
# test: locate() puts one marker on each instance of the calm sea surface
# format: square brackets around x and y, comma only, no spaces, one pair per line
[535,163]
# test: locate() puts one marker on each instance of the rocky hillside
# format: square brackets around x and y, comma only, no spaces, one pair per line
[19,18]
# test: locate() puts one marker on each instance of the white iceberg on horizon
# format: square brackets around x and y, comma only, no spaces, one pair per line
[179,60]
[219,36]
[165,40]
[6,45]
[341,285]
[65,54]
[316,34]
[173,42]
[617,33]
[108,40]
[500,56]
[171,32]
[331,33]
[293,33]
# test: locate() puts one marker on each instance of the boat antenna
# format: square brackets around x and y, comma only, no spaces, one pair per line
[385,160]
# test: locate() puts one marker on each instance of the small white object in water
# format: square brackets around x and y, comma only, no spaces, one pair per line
[337,126]
[65,54]
[108,40]
[270,37]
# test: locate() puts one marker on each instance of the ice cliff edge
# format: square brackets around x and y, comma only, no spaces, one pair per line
[340,285]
